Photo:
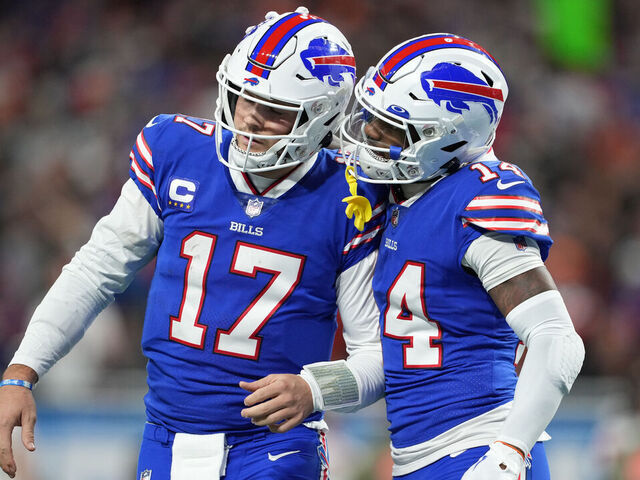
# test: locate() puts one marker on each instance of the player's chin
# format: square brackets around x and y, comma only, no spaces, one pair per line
[257,145]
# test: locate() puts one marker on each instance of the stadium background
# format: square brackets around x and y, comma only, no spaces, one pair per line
[79,78]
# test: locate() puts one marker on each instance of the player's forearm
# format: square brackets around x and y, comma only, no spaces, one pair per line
[59,322]
[366,366]
[535,403]
[333,385]
[554,358]
[348,385]
[361,332]
[20,372]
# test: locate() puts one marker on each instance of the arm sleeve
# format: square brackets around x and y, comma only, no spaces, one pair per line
[554,359]
[555,351]
[361,329]
[121,243]
[358,382]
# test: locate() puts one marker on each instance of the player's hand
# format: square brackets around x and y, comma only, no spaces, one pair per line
[279,401]
[17,408]
[501,462]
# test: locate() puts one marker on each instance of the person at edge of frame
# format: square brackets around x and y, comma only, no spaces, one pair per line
[460,278]
[254,259]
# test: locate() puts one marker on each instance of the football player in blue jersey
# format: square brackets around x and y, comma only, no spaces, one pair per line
[253,260]
[460,277]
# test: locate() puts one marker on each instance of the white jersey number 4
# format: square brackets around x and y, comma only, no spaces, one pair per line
[241,339]
[406,319]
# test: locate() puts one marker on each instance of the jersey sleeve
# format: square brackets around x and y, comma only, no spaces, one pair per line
[515,210]
[497,257]
[120,245]
[142,170]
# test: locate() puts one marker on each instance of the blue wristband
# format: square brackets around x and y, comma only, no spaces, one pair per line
[17,383]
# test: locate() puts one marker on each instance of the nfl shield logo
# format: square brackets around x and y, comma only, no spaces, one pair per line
[395,215]
[146,475]
[254,207]
[521,243]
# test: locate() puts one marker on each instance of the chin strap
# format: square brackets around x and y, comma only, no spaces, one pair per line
[356,204]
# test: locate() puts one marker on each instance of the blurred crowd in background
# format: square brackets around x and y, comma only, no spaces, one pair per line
[80,78]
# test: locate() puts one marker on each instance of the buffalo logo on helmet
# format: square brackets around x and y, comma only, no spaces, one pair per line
[456,86]
[328,62]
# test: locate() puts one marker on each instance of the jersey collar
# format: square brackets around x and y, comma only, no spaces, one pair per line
[273,188]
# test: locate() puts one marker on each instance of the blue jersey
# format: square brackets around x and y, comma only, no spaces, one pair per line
[448,351]
[244,285]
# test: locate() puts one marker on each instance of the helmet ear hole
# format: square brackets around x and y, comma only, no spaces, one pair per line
[487,78]
[454,146]
[326,141]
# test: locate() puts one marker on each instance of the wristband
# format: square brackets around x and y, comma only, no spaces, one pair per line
[17,383]
[337,384]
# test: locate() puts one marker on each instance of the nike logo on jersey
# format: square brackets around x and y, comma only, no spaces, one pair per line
[273,458]
[152,122]
[248,229]
[504,186]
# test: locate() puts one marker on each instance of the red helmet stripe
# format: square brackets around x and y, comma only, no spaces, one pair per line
[488,92]
[335,60]
[411,50]
[272,42]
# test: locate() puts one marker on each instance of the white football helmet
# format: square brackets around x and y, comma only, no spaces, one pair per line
[440,95]
[296,62]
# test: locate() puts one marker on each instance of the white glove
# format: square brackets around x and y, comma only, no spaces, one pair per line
[499,463]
